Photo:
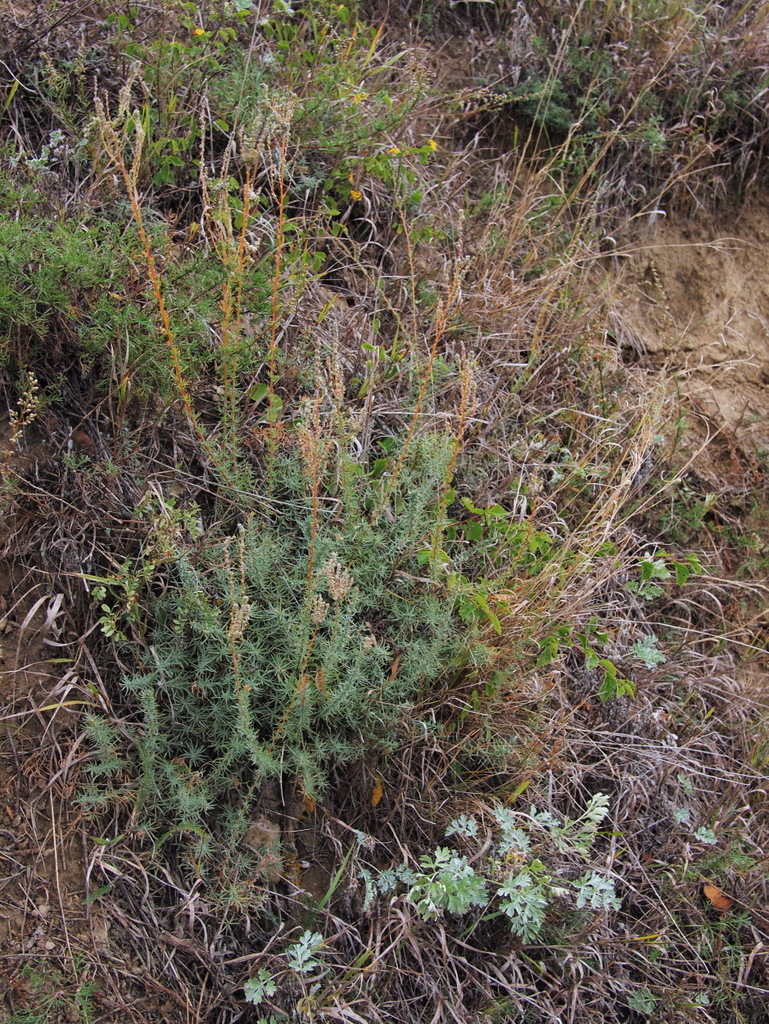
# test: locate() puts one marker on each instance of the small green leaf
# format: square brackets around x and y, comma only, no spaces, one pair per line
[549,651]
[471,508]
[480,601]
[275,408]
[92,897]
[474,531]
[646,651]
[614,685]
[683,572]
[642,1001]
[255,989]
[258,392]
[706,835]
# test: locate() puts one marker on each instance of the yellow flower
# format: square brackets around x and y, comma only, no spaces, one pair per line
[432,144]
[358,97]
[199,32]
[355,195]
[395,150]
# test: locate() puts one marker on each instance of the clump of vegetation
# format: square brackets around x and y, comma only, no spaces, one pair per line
[51,993]
[300,642]
[397,640]
[656,101]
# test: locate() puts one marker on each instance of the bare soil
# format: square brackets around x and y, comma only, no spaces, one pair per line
[693,296]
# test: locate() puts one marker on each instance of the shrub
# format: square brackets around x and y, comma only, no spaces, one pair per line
[295,644]
[75,288]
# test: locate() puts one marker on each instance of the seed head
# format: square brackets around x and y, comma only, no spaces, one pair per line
[319,610]
[338,578]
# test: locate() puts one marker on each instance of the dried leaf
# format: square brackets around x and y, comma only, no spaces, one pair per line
[377,791]
[717,897]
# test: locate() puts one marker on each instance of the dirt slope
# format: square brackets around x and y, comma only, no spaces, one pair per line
[694,295]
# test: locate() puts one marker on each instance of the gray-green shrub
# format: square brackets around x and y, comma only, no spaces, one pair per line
[291,646]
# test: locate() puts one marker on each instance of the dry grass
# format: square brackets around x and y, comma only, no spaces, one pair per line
[479,300]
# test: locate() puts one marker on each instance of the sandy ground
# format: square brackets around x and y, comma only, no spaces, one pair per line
[693,296]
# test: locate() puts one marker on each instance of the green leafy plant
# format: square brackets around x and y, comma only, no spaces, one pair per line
[260,986]
[525,899]
[653,572]
[302,958]
[646,651]
[448,883]
[642,1001]
[657,570]
[586,641]
[172,529]
[302,955]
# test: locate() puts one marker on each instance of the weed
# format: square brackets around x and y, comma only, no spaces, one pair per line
[52,994]
[521,886]
[19,418]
